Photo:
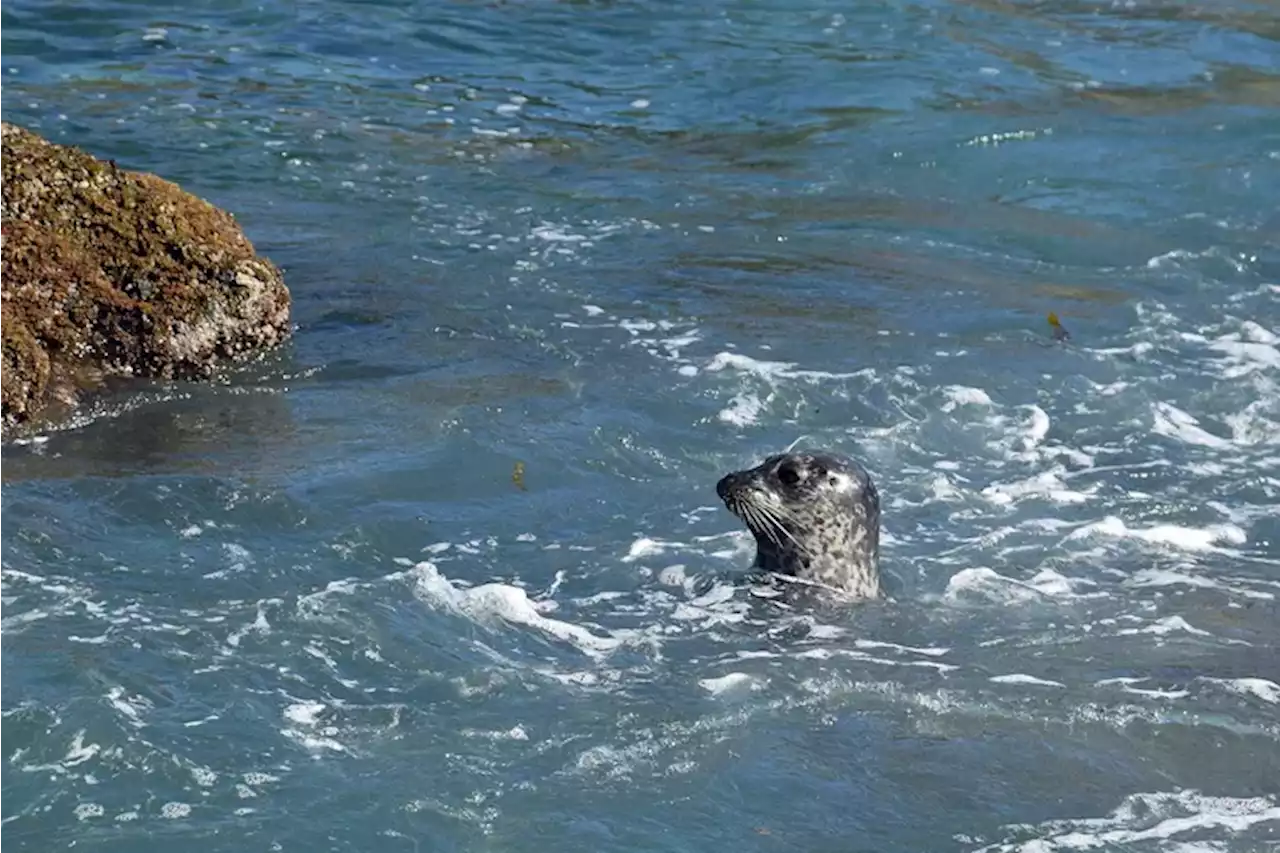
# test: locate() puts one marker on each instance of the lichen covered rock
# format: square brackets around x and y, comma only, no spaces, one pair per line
[108,272]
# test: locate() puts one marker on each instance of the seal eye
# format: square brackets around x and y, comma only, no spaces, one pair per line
[788,475]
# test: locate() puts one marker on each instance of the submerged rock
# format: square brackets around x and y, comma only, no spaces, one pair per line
[108,272]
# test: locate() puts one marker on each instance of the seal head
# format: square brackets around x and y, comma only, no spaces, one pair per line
[815,516]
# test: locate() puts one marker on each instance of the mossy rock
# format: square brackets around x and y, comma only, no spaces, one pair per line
[108,272]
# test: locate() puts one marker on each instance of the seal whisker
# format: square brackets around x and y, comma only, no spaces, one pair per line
[793,444]
[782,512]
[768,525]
[759,521]
[776,519]
[744,510]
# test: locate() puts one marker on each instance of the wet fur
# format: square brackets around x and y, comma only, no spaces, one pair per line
[815,518]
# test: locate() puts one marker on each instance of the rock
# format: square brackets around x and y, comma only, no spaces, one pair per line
[108,272]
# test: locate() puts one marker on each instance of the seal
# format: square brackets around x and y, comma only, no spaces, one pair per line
[815,517]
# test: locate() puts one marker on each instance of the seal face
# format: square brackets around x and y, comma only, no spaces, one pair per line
[815,516]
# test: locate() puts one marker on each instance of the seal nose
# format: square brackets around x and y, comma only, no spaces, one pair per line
[725,486]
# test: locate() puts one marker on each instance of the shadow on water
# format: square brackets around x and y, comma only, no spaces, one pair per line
[179,429]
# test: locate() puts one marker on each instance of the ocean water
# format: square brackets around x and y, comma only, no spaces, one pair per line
[631,246]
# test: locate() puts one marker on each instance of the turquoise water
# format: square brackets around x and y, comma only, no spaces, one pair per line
[634,246]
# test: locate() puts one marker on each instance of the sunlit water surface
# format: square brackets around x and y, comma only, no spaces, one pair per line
[635,245]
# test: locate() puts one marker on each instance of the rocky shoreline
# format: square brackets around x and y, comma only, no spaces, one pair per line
[114,273]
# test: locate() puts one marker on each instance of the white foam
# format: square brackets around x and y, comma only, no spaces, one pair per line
[1047,484]
[1166,626]
[1023,678]
[259,625]
[1254,349]
[730,683]
[504,602]
[238,559]
[1171,535]
[306,728]
[646,547]
[257,777]
[132,707]
[175,811]
[743,410]
[1143,817]
[942,489]
[514,733]
[962,395]
[635,327]
[85,811]
[204,776]
[932,651]
[79,752]
[1175,423]
[1159,261]
[771,371]
[986,583]
[1053,584]
[1267,691]
[1251,425]
[674,576]
[304,713]
[554,234]
[1037,427]
[1127,685]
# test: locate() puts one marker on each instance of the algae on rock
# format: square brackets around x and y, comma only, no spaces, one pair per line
[108,272]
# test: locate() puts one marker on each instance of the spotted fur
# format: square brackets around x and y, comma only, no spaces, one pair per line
[815,517]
